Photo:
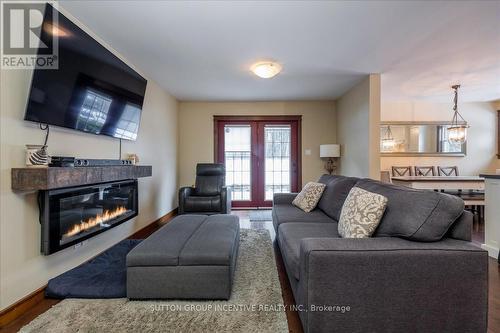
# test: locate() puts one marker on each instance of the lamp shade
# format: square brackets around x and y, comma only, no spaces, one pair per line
[330,150]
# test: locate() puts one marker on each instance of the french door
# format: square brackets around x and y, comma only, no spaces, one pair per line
[261,155]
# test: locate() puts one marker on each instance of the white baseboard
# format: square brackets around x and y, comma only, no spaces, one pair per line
[492,251]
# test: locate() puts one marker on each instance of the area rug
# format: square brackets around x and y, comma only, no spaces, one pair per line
[256,304]
[261,215]
[104,276]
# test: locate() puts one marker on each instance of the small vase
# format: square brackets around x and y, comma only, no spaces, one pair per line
[36,155]
[134,158]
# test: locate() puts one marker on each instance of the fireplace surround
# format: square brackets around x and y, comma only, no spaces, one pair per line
[71,215]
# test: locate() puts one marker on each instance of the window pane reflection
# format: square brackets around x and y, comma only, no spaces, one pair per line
[93,112]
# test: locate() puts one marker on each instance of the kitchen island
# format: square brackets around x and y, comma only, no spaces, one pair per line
[492,214]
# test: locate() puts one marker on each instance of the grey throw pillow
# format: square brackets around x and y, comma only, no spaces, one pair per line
[361,213]
[308,198]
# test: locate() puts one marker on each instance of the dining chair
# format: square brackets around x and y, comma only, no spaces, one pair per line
[425,171]
[448,171]
[401,171]
[385,176]
[474,202]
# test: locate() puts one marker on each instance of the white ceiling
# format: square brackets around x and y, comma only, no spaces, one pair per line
[203,50]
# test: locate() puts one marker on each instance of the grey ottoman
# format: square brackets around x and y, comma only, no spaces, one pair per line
[191,257]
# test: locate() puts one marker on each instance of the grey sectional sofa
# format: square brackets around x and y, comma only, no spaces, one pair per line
[418,273]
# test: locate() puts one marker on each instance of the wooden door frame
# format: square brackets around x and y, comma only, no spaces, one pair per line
[242,119]
[219,151]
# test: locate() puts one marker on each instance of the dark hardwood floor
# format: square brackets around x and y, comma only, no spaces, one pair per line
[292,317]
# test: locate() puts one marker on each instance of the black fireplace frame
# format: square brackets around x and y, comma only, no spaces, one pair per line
[50,236]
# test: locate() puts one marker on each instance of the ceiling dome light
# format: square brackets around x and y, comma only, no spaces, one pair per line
[266,69]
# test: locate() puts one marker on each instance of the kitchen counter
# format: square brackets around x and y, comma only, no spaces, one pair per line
[493,176]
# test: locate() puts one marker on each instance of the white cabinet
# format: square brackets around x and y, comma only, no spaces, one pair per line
[492,216]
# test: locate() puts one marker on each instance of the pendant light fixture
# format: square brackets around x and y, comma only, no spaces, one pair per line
[388,141]
[457,131]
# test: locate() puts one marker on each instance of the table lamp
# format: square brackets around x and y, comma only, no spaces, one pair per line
[330,152]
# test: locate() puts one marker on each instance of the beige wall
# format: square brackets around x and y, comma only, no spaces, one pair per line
[196,132]
[22,268]
[358,119]
[481,142]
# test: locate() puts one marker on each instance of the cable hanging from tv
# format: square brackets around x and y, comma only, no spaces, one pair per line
[45,127]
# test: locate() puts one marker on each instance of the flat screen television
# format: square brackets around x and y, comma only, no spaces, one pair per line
[91,91]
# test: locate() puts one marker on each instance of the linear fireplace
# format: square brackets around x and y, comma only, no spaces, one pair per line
[71,215]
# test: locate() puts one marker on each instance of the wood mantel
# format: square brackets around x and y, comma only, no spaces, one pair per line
[34,179]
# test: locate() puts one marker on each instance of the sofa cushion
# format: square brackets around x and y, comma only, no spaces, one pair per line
[361,213]
[462,228]
[288,213]
[325,178]
[189,240]
[202,204]
[208,185]
[290,235]
[418,215]
[335,193]
[164,245]
[308,198]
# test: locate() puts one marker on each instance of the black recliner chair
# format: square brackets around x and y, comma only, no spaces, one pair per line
[209,196]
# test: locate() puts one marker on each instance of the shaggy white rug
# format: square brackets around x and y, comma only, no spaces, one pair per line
[256,304]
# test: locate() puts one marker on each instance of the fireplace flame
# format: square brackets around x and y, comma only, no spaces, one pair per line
[94,221]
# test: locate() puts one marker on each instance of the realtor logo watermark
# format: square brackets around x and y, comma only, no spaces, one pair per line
[26,40]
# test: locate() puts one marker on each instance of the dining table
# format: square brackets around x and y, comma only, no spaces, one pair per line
[441,182]
[445,183]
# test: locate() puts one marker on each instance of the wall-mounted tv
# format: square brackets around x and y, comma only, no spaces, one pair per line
[91,91]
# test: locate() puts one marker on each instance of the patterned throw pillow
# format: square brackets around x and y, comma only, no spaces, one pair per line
[308,198]
[361,213]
